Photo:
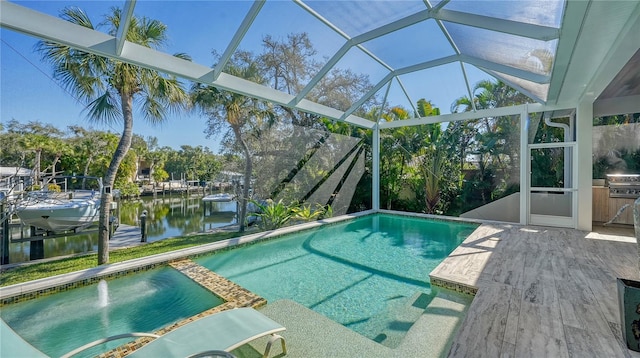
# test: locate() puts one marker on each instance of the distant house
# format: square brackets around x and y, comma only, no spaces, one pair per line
[144,171]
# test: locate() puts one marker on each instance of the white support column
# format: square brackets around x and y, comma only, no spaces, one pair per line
[524,165]
[584,164]
[375,176]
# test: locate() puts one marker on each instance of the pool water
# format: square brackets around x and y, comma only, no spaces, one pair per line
[370,274]
[143,302]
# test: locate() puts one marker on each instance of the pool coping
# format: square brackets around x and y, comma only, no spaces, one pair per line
[44,286]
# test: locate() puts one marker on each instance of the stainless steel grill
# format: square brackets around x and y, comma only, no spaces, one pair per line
[624,185]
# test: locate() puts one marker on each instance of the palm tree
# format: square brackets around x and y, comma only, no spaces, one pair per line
[495,140]
[110,87]
[489,94]
[236,110]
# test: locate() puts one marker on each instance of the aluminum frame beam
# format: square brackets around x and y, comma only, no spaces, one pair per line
[480,63]
[125,21]
[538,32]
[572,25]
[21,19]
[238,36]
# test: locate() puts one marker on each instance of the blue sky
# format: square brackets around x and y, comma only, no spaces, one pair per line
[28,93]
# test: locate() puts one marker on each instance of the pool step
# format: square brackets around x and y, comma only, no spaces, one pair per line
[404,312]
[432,333]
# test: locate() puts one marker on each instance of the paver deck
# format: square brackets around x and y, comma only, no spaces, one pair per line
[541,292]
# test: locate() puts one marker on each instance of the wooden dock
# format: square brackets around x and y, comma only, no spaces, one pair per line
[125,236]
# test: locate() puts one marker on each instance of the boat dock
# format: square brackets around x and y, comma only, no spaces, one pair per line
[125,236]
[173,187]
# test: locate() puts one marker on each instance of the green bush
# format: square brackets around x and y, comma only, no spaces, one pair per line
[273,215]
[306,213]
[128,190]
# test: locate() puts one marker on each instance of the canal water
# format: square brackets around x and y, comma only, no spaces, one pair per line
[167,216]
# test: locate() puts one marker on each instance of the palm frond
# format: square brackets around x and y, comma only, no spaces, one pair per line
[153,110]
[77,16]
[183,56]
[105,109]
[204,97]
[150,33]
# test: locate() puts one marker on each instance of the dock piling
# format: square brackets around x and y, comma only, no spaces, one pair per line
[143,226]
[4,248]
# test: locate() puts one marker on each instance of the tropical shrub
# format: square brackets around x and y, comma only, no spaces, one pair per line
[272,215]
[306,213]
[327,212]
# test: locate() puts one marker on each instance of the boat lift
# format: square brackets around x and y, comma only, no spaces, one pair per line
[36,236]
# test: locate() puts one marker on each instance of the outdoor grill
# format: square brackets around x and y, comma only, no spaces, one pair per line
[624,185]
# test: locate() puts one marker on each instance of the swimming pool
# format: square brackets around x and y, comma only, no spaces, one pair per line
[143,302]
[370,274]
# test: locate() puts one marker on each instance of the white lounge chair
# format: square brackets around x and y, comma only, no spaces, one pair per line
[224,331]
[215,335]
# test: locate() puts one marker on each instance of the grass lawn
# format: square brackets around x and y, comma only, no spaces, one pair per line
[66,265]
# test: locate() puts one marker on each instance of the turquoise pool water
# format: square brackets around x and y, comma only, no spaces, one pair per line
[370,274]
[142,302]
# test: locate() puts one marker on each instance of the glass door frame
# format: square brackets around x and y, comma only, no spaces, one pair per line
[552,220]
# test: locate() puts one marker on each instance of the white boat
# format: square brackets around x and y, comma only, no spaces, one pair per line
[60,211]
[223,197]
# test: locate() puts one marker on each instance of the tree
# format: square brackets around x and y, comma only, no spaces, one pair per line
[432,166]
[156,158]
[495,141]
[110,87]
[11,154]
[37,138]
[290,64]
[35,143]
[397,147]
[140,147]
[59,147]
[433,157]
[192,163]
[235,110]
[89,147]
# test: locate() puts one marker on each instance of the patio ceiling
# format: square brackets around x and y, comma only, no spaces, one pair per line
[556,52]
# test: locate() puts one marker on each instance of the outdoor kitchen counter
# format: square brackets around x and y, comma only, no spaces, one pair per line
[605,207]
